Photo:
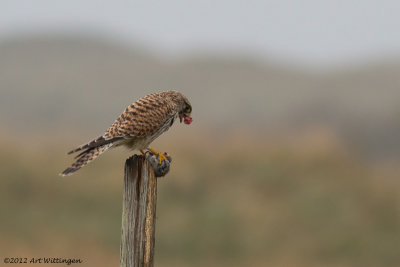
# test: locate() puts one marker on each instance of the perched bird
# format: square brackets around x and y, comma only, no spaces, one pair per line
[137,127]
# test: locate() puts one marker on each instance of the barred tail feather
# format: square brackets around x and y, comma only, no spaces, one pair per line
[85,157]
[99,141]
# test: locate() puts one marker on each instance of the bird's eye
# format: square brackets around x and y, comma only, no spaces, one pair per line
[188,109]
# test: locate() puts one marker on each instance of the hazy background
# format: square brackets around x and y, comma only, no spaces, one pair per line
[292,158]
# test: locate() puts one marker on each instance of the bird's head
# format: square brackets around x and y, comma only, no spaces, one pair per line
[185,113]
[183,105]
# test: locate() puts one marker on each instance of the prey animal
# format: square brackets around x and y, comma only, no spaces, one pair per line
[138,126]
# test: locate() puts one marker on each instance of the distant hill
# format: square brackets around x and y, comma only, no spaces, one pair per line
[50,83]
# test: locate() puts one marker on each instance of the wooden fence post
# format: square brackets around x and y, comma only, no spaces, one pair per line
[138,213]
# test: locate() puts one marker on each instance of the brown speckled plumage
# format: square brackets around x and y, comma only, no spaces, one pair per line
[136,127]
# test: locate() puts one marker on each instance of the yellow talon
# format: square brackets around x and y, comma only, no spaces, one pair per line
[160,156]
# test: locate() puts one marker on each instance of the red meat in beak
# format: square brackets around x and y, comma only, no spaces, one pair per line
[187,120]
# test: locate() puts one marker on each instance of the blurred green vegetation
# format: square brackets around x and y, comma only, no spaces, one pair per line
[233,202]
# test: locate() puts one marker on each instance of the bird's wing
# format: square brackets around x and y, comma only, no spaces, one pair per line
[143,118]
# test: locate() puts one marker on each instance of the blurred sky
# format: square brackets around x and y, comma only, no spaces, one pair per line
[309,32]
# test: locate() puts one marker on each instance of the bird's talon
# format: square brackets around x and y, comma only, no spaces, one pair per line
[160,156]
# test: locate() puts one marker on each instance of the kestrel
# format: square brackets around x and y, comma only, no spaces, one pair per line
[137,127]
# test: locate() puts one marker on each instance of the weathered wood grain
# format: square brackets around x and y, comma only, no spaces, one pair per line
[138,214]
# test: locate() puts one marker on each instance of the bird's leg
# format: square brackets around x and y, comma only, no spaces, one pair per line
[160,156]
